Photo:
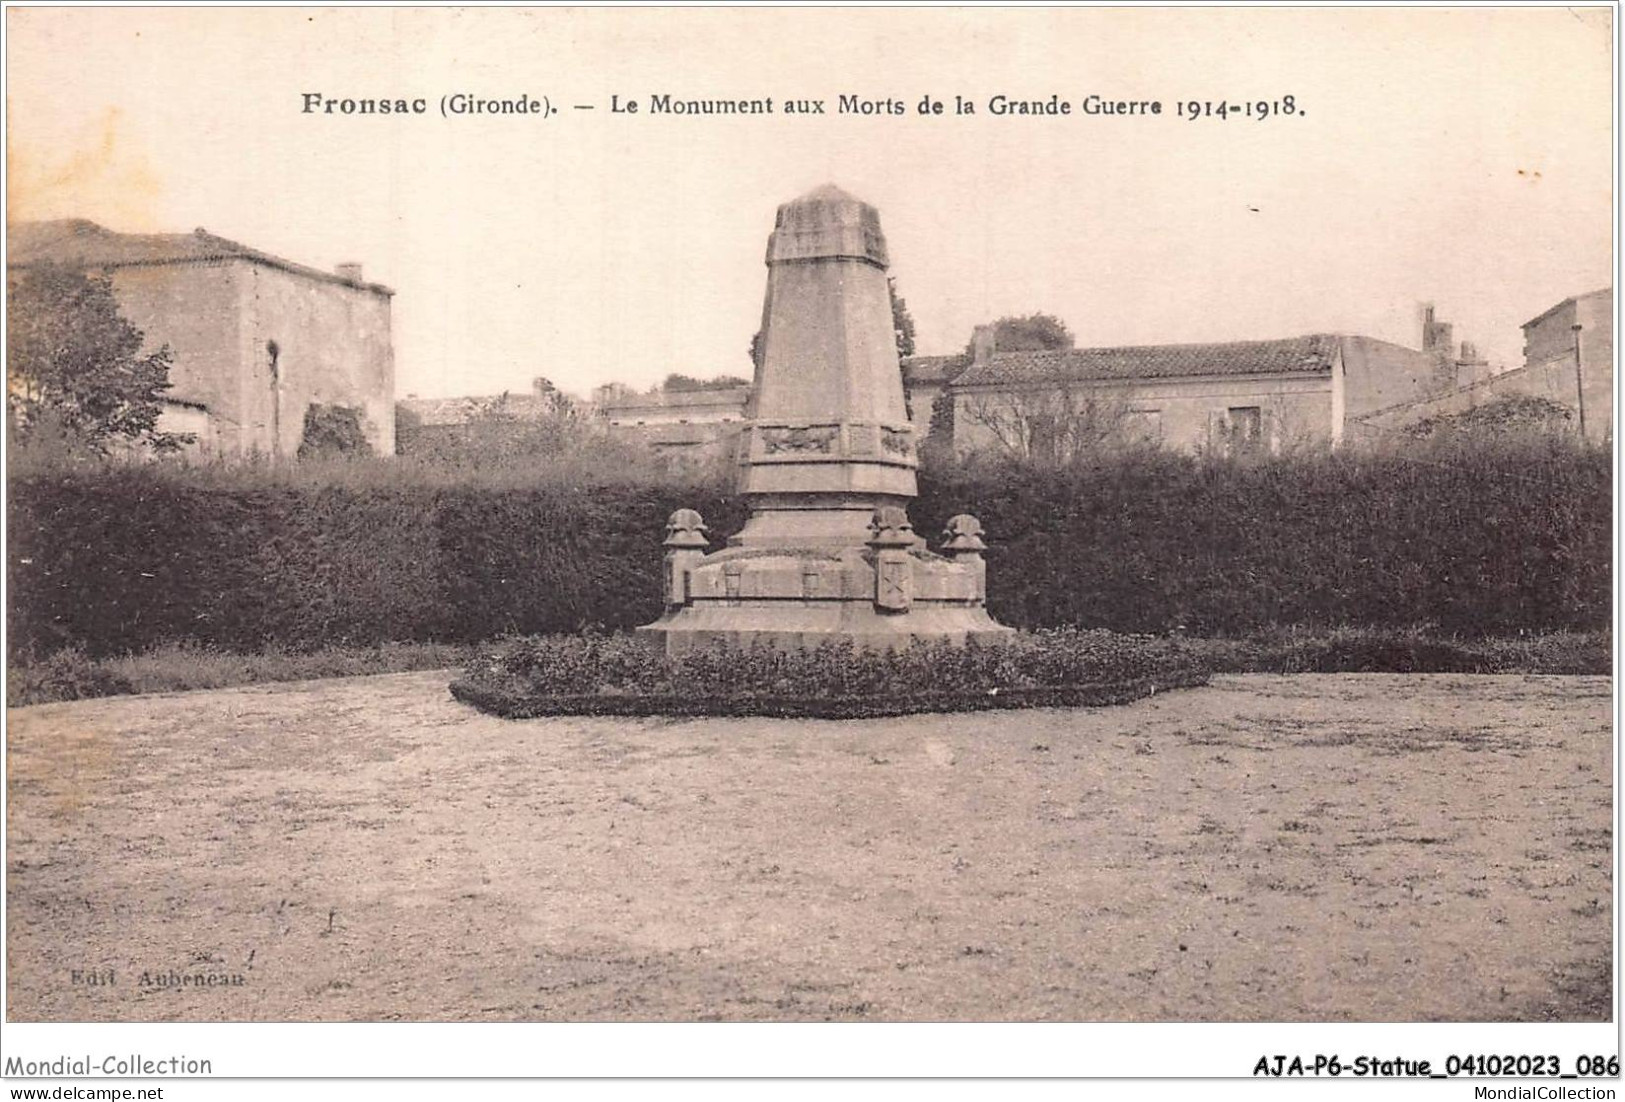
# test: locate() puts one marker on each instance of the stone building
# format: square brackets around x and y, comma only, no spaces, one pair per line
[1568,361]
[257,340]
[1569,357]
[1234,395]
[687,426]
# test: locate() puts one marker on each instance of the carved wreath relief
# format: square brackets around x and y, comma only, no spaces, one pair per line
[801,439]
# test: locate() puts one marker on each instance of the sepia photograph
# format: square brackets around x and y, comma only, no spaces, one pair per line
[812,515]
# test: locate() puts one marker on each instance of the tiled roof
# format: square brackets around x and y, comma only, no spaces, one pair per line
[1159,361]
[933,369]
[82,243]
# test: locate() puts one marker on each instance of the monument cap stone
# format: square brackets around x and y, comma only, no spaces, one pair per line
[827,223]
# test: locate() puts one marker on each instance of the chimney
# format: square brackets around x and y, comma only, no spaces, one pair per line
[349,270]
[1437,336]
[983,343]
[1471,366]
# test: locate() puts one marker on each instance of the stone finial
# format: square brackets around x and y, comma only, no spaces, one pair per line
[963,533]
[685,547]
[685,529]
[962,542]
[892,537]
[891,528]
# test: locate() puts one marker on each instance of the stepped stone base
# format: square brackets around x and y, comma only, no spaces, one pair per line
[768,623]
[800,598]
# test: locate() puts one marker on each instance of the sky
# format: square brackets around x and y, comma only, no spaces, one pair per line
[1458,156]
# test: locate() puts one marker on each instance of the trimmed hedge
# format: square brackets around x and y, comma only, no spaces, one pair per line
[1466,540]
[622,675]
[1484,541]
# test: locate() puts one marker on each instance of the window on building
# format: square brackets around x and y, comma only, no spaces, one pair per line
[1246,429]
[1143,425]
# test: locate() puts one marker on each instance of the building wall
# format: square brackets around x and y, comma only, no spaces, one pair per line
[678,407]
[1378,374]
[919,398]
[193,309]
[1549,372]
[1376,426]
[195,422]
[217,317]
[333,347]
[1184,414]
[1550,366]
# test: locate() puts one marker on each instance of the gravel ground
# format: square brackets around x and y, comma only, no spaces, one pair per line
[1321,848]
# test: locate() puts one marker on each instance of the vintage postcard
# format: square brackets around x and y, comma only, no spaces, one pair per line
[806,515]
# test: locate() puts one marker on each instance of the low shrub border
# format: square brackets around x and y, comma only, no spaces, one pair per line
[628,676]
[73,675]
[811,707]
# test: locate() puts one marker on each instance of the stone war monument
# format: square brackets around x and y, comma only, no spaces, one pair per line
[827,463]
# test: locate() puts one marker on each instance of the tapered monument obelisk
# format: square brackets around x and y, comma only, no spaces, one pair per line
[827,466]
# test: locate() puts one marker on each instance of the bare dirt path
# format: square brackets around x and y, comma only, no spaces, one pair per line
[1351,847]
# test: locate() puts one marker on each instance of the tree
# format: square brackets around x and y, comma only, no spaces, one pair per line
[73,363]
[938,445]
[1032,333]
[902,327]
[901,320]
[680,384]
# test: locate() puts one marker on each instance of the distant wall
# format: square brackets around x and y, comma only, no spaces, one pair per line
[919,398]
[1549,372]
[1378,374]
[1549,362]
[1180,413]
[218,318]
[193,308]
[333,348]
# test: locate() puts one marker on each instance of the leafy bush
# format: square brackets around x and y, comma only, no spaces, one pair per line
[66,675]
[1514,413]
[622,674]
[332,430]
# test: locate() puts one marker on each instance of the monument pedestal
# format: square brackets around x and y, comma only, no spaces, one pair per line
[827,466]
[885,593]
